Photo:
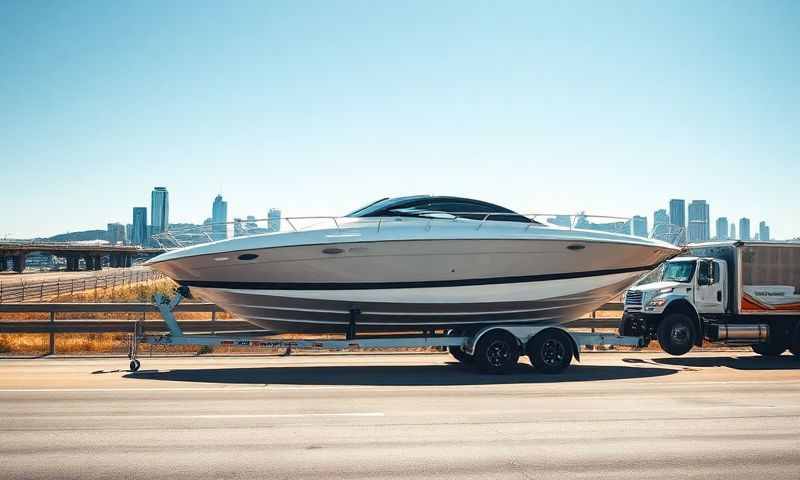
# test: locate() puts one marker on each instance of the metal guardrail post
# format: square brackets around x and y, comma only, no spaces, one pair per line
[52,346]
[213,320]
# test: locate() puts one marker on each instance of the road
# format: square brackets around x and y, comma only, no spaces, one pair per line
[29,276]
[411,416]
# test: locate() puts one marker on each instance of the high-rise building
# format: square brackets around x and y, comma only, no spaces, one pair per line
[219,219]
[159,209]
[763,231]
[639,226]
[115,233]
[699,221]
[744,229]
[139,234]
[722,228]
[661,224]
[677,217]
[128,232]
[733,236]
[274,220]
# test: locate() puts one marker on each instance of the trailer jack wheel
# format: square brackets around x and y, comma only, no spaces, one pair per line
[135,365]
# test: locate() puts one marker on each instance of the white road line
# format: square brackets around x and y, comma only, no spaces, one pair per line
[280,388]
[201,417]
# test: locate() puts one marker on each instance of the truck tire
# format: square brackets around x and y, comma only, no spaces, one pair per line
[769,349]
[625,326]
[795,346]
[676,334]
[497,352]
[550,351]
[457,352]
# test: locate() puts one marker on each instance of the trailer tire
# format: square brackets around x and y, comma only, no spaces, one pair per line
[676,334]
[550,351]
[457,352]
[497,352]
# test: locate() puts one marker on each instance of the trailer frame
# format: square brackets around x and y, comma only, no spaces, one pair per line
[470,344]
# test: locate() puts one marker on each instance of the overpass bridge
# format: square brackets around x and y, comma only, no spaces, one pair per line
[92,253]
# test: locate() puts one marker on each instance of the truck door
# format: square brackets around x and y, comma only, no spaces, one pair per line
[710,293]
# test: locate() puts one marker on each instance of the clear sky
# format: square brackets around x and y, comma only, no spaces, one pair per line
[320,107]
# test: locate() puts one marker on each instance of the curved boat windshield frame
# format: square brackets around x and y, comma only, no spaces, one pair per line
[425,205]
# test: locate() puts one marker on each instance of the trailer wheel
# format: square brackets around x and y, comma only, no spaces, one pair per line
[497,352]
[135,365]
[457,352]
[676,334]
[550,351]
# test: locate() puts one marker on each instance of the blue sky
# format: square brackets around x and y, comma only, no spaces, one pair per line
[320,107]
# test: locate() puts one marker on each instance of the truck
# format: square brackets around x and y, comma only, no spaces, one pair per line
[729,292]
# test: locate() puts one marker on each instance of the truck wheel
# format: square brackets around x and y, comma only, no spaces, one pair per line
[795,346]
[769,349]
[676,334]
[550,351]
[457,352]
[625,326]
[497,352]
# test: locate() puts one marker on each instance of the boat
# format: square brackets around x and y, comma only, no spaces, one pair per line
[420,263]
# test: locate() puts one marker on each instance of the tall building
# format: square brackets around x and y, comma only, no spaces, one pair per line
[677,217]
[274,220]
[139,234]
[219,219]
[733,236]
[128,232]
[661,224]
[699,221]
[744,229]
[763,231]
[639,226]
[722,228]
[159,209]
[115,233]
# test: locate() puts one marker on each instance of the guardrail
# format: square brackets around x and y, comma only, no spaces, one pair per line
[20,291]
[212,325]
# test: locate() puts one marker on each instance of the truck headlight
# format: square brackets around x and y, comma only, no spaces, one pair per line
[666,290]
[657,302]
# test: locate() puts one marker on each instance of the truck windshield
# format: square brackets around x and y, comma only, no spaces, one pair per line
[678,272]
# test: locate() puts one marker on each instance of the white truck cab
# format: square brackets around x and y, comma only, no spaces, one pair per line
[738,293]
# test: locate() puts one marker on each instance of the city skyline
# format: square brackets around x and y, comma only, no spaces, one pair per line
[545,124]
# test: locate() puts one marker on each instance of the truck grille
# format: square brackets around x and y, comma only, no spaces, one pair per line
[633,297]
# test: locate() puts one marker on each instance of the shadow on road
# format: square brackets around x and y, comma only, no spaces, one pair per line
[425,375]
[750,362]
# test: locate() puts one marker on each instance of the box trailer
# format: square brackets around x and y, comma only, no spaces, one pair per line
[736,292]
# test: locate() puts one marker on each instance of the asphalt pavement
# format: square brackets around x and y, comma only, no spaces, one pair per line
[718,415]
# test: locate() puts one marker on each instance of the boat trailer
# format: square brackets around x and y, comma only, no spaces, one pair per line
[493,348]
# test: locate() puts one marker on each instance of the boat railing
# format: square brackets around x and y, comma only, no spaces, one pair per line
[210,232]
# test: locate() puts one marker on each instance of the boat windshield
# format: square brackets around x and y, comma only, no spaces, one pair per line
[428,206]
[678,271]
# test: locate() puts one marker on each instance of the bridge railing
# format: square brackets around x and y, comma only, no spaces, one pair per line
[138,311]
[18,290]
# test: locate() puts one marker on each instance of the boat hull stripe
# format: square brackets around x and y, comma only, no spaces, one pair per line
[422,284]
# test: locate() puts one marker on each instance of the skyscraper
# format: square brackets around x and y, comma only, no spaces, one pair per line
[274,220]
[763,231]
[722,228]
[733,236]
[159,209]
[139,234]
[744,229]
[115,233]
[660,224]
[639,226]
[699,229]
[677,217]
[219,217]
